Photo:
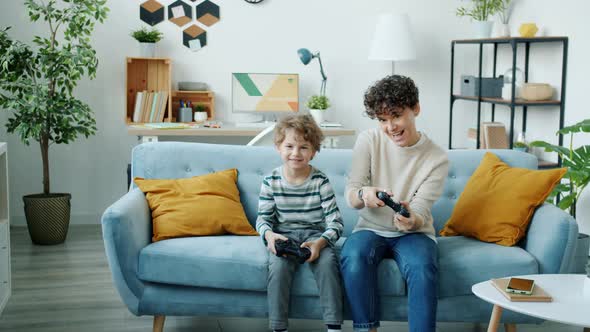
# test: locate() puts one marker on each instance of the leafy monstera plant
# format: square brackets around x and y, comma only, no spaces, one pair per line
[577,162]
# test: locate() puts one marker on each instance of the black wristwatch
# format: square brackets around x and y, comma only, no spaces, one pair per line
[360,194]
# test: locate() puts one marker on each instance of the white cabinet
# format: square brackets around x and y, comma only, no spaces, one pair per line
[5,289]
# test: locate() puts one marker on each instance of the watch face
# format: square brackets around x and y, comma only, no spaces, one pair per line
[253,1]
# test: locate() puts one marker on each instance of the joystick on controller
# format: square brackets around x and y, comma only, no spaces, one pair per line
[397,207]
[293,250]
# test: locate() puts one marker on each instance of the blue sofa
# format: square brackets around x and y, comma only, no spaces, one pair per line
[226,275]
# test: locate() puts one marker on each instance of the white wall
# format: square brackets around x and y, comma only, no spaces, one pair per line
[264,38]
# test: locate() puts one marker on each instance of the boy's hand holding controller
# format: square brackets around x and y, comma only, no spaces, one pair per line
[271,237]
[315,247]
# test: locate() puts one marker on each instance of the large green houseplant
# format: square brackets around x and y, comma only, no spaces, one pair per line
[577,161]
[37,84]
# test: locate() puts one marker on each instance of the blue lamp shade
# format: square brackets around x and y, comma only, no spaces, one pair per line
[304,55]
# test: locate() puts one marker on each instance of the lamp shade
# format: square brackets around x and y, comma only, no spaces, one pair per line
[393,40]
[304,55]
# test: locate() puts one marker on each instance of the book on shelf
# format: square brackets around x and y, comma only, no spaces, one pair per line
[538,295]
[137,107]
[155,96]
[162,106]
[147,108]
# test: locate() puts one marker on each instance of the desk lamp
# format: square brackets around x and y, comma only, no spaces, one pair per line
[306,56]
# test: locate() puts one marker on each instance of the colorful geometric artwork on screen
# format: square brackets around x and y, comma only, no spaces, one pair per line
[151,12]
[265,92]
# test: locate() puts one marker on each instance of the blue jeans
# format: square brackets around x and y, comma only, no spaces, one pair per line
[416,256]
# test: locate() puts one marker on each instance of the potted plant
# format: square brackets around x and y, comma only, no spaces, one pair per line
[147,41]
[317,105]
[480,11]
[577,162]
[520,146]
[37,84]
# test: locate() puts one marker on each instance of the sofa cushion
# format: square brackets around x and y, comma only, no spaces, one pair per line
[389,277]
[498,201]
[464,262]
[226,261]
[207,204]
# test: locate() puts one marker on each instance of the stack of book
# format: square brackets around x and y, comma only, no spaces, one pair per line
[150,106]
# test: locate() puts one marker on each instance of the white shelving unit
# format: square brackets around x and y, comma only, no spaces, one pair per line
[5,287]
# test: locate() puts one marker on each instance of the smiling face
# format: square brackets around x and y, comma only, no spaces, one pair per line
[295,151]
[400,125]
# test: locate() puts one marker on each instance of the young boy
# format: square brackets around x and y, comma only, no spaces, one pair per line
[297,202]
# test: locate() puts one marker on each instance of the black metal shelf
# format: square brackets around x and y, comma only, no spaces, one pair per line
[509,40]
[517,102]
[513,42]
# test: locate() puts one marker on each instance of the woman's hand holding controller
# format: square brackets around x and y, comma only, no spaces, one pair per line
[370,199]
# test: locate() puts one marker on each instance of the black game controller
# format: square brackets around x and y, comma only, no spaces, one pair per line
[292,250]
[397,207]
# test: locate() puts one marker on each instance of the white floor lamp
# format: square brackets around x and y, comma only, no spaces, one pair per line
[393,39]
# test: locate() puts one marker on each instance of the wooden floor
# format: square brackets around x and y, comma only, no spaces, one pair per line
[68,288]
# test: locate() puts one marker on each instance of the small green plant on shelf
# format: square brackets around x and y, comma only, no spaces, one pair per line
[521,146]
[200,108]
[481,10]
[577,162]
[316,102]
[143,35]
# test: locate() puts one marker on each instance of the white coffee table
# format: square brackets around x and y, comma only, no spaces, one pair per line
[571,300]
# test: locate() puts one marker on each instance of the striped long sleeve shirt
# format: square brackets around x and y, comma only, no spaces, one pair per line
[310,205]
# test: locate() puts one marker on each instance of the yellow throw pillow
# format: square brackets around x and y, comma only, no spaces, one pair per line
[202,205]
[498,201]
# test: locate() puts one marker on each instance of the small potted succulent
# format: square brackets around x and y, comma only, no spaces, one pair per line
[147,41]
[317,105]
[520,146]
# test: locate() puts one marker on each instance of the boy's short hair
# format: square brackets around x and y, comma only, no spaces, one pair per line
[390,95]
[304,125]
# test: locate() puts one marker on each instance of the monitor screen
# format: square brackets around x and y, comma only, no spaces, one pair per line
[264,92]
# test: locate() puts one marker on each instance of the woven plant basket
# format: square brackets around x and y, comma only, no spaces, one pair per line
[48,217]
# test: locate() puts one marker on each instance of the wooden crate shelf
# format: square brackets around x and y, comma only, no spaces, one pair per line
[147,74]
[206,98]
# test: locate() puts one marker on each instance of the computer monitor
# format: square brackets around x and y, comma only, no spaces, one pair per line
[265,92]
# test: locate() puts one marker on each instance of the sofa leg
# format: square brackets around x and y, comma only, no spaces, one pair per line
[509,327]
[159,323]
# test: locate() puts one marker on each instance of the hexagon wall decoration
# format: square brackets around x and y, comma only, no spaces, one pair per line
[208,13]
[194,38]
[180,13]
[151,12]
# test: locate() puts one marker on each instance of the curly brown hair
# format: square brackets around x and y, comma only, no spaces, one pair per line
[390,95]
[304,125]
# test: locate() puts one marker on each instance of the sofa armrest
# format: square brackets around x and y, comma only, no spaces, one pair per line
[126,229]
[552,239]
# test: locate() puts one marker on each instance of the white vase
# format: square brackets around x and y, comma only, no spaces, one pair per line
[147,50]
[501,30]
[317,115]
[483,29]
